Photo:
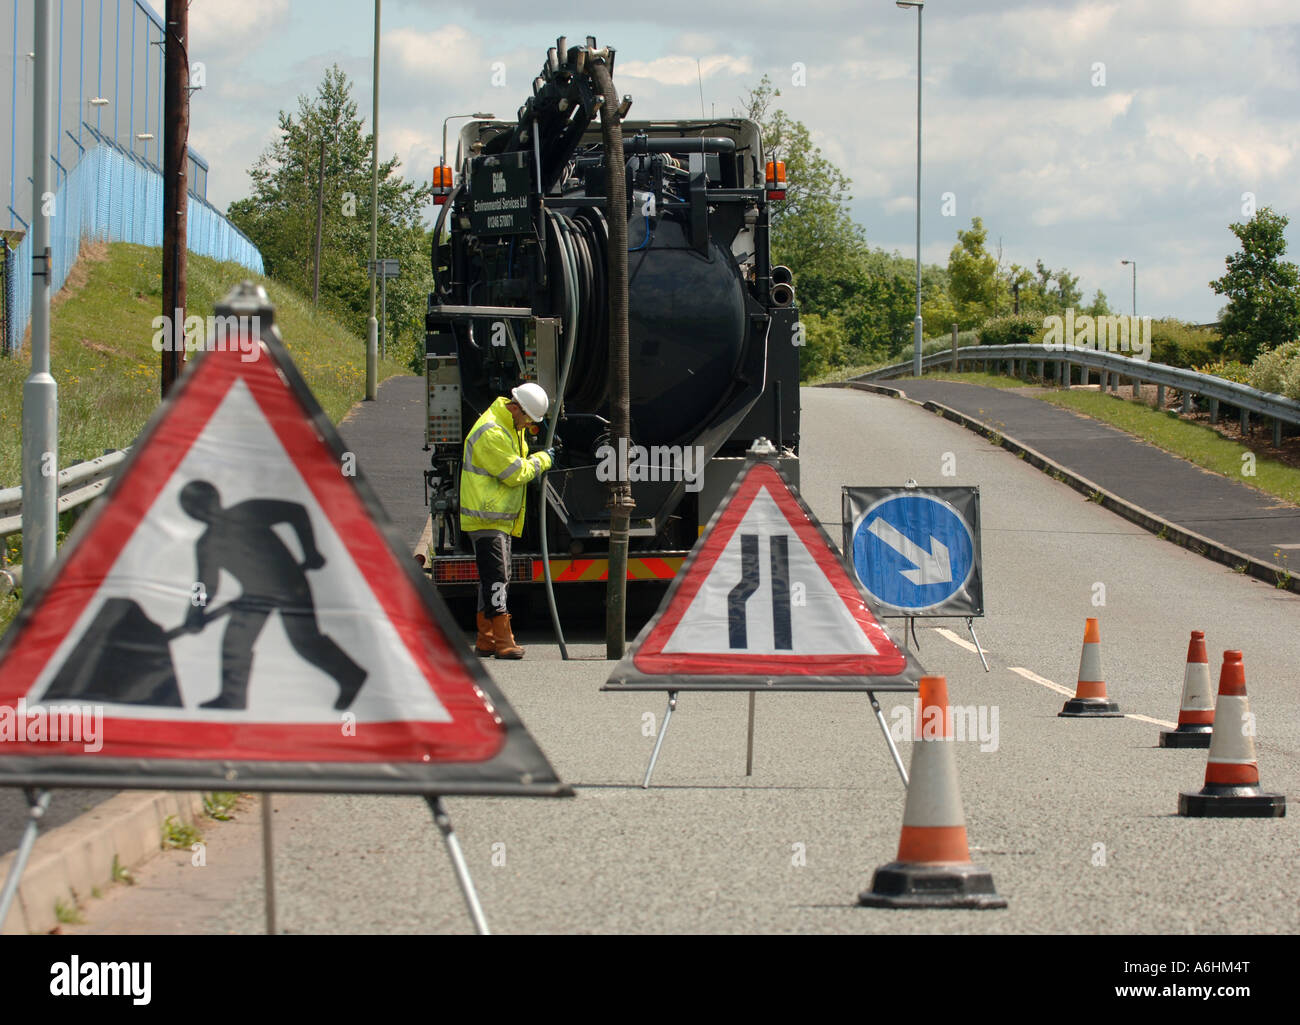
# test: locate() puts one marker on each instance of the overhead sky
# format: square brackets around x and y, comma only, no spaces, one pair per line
[1082,132]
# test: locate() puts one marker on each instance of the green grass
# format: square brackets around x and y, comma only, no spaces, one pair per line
[179,835]
[220,805]
[928,347]
[103,359]
[1196,443]
[67,914]
[980,378]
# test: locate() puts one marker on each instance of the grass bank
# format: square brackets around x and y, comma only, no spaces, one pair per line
[1195,443]
[102,356]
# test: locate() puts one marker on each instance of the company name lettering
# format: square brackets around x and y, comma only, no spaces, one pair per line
[214,334]
[61,724]
[1104,334]
[72,978]
[658,463]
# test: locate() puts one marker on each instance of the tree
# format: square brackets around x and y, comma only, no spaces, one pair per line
[972,276]
[1263,308]
[811,228]
[861,301]
[280,214]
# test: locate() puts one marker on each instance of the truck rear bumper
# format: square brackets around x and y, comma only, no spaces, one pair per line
[457,572]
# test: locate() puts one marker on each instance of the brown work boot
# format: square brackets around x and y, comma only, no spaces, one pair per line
[505,640]
[484,644]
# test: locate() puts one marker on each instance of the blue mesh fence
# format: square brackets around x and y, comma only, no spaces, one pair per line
[110,196]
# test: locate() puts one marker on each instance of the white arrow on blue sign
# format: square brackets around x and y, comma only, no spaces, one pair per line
[912,552]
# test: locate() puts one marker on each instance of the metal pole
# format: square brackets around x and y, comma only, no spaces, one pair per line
[917,370]
[176,132]
[459,865]
[749,742]
[663,732]
[383,316]
[620,503]
[1135,288]
[320,225]
[40,392]
[268,864]
[889,740]
[372,346]
[39,803]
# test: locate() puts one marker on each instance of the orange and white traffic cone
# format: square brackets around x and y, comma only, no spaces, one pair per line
[1196,709]
[1231,773]
[933,868]
[1090,699]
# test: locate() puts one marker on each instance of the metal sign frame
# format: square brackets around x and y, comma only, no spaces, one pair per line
[628,676]
[517,768]
[966,601]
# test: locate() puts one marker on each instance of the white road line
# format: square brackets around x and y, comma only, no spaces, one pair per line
[961,642]
[1041,681]
[1154,722]
[1044,682]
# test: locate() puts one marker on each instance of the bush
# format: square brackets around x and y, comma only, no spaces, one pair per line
[1230,370]
[1177,344]
[1012,329]
[1278,369]
[937,343]
[824,344]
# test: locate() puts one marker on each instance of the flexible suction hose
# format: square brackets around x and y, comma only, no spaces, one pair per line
[562,234]
[620,492]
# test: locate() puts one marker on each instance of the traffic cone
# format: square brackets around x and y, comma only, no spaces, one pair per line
[1090,699]
[933,868]
[1231,773]
[1196,710]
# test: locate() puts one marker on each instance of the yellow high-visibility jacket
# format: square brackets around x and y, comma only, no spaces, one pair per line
[494,473]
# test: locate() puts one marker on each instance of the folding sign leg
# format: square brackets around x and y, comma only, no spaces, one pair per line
[38,802]
[749,742]
[654,755]
[268,865]
[884,728]
[970,625]
[443,820]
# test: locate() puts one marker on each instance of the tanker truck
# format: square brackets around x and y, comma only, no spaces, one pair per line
[520,294]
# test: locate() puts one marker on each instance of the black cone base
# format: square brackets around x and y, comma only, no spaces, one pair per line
[1186,738]
[1231,802]
[1094,708]
[942,885]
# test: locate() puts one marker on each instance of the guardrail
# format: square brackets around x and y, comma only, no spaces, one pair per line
[78,484]
[1113,367]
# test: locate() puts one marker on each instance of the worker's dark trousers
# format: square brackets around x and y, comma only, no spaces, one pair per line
[299,622]
[492,555]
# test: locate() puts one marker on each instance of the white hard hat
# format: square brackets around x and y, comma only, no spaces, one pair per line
[532,399]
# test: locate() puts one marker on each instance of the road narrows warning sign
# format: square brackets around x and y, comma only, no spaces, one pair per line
[234,610]
[764,603]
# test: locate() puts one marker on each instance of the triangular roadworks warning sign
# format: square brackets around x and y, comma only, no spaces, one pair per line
[764,603]
[235,611]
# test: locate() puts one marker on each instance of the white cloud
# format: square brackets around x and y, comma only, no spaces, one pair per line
[228,29]
[677,70]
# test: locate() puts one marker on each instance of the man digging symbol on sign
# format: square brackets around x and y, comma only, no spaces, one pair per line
[240,540]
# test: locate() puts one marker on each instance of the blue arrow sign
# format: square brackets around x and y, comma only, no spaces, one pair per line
[912,552]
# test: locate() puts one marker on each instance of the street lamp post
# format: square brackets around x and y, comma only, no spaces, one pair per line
[453,117]
[372,325]
[40,438]
[1135,283]
[917,326]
